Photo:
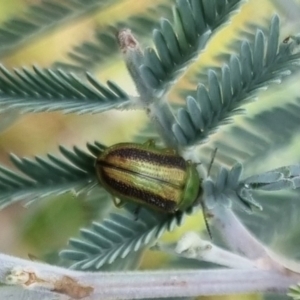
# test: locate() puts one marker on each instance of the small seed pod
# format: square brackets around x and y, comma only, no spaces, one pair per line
[148,176]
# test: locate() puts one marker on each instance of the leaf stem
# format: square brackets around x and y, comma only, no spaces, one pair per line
[192,246]
[158,110]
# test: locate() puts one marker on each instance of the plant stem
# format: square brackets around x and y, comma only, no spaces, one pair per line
[140,285]
[236,235]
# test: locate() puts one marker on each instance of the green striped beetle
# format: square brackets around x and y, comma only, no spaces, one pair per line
[149,176]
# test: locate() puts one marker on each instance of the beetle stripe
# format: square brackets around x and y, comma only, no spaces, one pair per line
[140,195]
[161,159]
[108,165]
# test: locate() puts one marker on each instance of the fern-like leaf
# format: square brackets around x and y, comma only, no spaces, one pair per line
[42,17]
[287,177]
[119,236]
[93,54]
[227,188]
[47,90]
[255,139]
[177,45]
[254,69]
[48,176]
[246,32]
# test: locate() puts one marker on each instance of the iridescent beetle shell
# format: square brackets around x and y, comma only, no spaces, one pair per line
[149,176]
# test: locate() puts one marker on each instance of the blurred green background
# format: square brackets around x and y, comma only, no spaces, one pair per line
[44,227]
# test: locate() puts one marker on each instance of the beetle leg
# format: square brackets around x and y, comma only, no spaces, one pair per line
[117,202]
[171,151]
[150,143]
[137,212]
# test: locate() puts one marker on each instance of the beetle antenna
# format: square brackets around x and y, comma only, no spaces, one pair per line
[213,156]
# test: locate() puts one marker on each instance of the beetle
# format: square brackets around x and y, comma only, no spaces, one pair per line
[149,176]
